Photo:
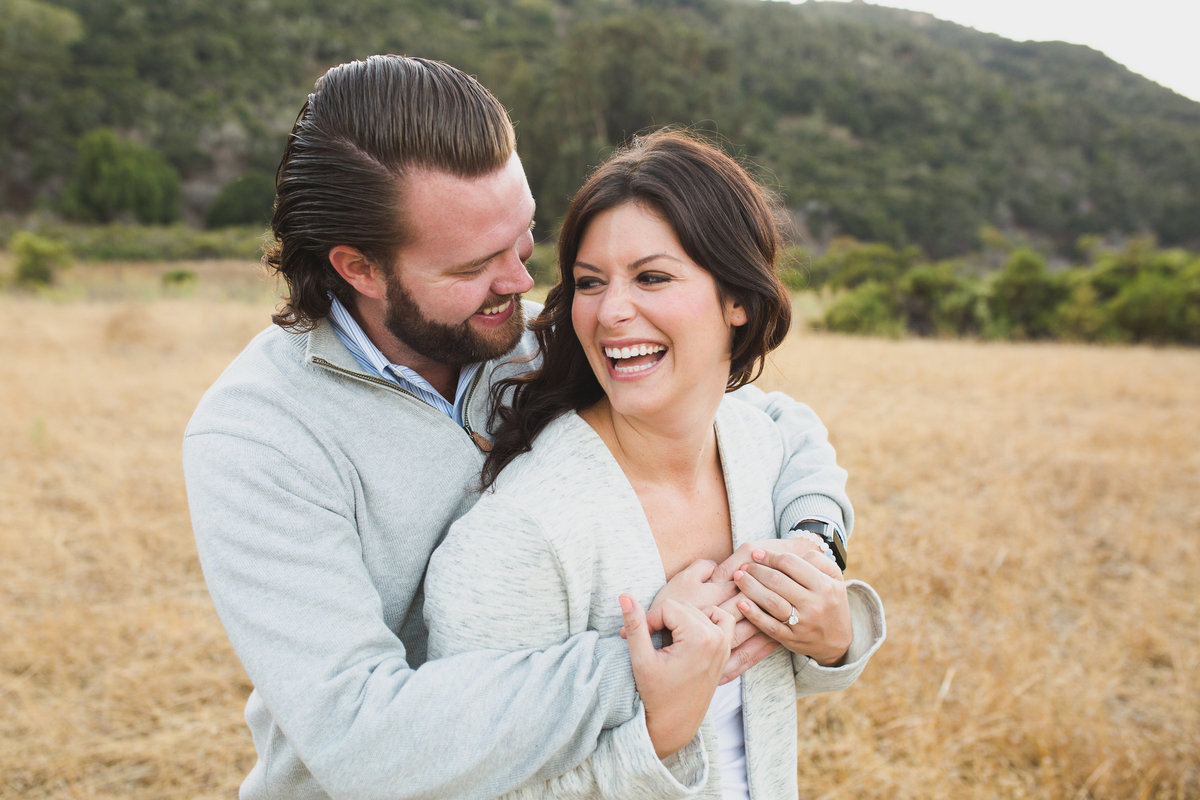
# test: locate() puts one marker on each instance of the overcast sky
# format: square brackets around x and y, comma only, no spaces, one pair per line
[1159,39]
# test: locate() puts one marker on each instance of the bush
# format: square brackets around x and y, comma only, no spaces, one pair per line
[848,264]
[120,242]
[1160,308]
[1024,298]
[924,292]
[37,258]
[872,309]
[246,200]
[115,178]
[178,277]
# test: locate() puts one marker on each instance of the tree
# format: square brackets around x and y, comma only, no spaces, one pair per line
[117,178]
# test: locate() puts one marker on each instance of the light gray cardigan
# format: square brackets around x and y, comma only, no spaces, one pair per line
[317,493]
[545,554]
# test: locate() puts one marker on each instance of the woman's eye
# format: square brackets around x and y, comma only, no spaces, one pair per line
[583,284]
[653,277]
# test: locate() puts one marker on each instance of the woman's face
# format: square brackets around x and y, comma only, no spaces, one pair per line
[649,318]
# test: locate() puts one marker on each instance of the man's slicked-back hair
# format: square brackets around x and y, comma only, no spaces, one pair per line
[340,182]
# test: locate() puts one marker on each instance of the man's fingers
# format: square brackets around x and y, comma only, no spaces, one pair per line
[730,607]
[700,570]
[654,619]
[747,654]
[743,629]
[724,571]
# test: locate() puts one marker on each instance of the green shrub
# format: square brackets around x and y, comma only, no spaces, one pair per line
[1083,316]
[115,178]
[848,264]
[872,309]
[178,277]
[120,242]
[924,291]
[246,200]
[1160,308]
[1023,299]
[37,258]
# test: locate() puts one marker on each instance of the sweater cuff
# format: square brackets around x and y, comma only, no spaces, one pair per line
[870,630]
[644,774]
[811,506]
[618,693]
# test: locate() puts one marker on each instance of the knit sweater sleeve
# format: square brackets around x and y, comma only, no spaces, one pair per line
[497,581]
[870,629]
[811,483]
[283,558]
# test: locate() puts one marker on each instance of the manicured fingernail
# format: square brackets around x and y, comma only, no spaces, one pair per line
[759,555]
[737,575]
[626,603]
[743,605]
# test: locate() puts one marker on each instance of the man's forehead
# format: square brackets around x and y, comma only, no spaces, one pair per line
[458,220]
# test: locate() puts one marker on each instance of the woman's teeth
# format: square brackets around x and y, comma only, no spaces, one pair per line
[632,352]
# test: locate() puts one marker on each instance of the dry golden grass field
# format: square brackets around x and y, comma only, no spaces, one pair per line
[1030,515]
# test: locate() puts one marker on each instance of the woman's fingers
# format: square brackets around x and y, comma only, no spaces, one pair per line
[636,632]
[770,590]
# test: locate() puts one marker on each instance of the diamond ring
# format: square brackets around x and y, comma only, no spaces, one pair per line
[794,617]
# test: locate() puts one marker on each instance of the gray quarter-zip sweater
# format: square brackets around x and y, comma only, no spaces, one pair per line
[317,494]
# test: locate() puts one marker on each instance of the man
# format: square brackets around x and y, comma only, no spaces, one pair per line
[329,459]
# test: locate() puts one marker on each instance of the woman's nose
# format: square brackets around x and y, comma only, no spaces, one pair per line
[616,306]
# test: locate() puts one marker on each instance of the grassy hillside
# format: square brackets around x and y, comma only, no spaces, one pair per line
[883,125]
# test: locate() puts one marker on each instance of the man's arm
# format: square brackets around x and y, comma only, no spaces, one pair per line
[284,563]
[811,484]
[497,558]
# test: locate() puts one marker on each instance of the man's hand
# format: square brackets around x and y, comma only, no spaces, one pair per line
[693,586]
[776,585]
[676,683]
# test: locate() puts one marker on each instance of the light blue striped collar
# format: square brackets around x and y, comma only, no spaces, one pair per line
[373,360]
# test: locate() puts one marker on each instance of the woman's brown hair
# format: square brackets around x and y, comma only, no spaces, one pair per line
[726,223]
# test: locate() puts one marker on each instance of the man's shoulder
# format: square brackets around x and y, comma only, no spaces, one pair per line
[264,373]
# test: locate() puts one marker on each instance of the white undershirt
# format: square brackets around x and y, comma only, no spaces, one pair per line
[726,713]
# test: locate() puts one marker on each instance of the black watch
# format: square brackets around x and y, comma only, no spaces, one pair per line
[829,535]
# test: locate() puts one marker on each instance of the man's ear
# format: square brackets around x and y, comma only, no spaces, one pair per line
[357,271]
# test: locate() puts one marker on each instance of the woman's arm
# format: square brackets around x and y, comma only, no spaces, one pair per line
[497,582]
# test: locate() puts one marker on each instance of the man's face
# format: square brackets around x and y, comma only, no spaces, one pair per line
[453,296]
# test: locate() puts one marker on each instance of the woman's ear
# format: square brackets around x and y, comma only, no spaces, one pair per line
[736,313]
[356,270]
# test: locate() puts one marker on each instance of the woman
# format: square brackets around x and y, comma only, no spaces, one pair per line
[621,461]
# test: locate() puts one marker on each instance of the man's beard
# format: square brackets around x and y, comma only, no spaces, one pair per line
[455,345]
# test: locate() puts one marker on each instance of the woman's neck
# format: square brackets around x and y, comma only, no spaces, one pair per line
[674,451]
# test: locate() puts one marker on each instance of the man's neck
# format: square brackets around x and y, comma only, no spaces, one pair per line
[442,377]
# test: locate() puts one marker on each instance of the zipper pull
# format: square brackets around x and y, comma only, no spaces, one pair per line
[480,441]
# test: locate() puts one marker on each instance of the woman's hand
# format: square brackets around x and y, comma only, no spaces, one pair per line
[811,588]
[676,683]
